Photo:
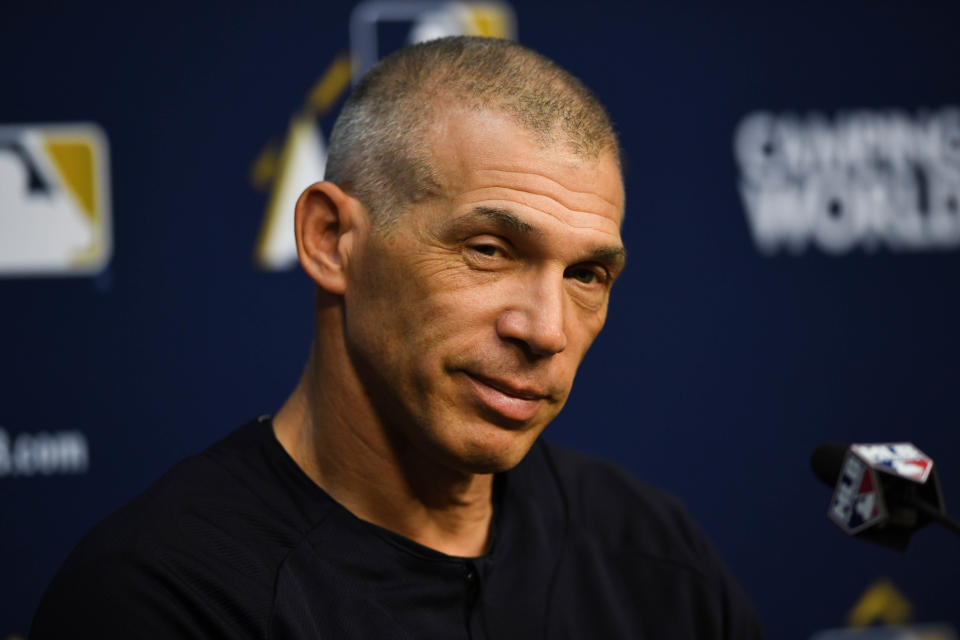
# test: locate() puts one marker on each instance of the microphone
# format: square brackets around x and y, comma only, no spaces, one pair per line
[882,492]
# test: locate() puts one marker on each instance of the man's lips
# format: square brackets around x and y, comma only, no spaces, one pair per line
[509,400]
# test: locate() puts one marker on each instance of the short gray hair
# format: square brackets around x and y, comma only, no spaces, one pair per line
[379,146]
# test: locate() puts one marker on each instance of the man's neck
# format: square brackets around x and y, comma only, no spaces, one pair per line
[328,427]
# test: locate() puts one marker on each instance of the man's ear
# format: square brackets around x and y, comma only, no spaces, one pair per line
[326,223]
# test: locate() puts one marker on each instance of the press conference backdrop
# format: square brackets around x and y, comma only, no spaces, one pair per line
[793,227]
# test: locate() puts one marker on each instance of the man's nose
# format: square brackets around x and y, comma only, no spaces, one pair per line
[536,317]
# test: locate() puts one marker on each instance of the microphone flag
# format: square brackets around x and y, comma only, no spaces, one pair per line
[877,490]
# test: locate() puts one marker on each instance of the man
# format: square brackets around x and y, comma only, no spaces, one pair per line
[464,246]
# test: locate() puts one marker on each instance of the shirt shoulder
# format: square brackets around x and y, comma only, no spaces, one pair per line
[621,511]
[195,555]
[658,573]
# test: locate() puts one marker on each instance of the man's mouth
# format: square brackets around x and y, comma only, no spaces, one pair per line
[512,401]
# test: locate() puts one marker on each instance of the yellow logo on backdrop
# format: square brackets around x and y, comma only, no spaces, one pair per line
[287,169]
[54,200]
[881,602]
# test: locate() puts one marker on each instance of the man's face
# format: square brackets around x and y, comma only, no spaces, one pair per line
[468,318]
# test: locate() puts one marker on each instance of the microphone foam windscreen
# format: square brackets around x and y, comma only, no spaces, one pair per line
[826,461]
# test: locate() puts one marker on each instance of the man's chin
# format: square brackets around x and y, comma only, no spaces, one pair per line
[494,450]
[481,465]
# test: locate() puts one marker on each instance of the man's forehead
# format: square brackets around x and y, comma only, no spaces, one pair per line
[477,149]
[451,118]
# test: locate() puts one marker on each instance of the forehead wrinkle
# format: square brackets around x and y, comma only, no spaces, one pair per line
[573,192]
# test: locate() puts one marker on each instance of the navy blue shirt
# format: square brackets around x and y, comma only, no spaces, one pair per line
[238,542]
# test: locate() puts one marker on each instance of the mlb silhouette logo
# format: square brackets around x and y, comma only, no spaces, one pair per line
[54,200]
[916,469]
[375,26]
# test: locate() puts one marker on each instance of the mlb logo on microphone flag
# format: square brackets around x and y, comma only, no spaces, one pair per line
[900,459]
[856,502]
[54,200]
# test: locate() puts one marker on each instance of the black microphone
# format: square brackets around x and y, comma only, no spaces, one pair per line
[882,492]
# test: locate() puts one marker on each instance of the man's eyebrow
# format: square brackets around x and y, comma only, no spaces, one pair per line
[506,219]
[614,255]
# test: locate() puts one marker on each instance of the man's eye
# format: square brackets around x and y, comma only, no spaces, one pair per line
[486,249]
[584,275]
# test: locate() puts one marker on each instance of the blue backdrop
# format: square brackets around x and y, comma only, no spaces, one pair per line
[721,366]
